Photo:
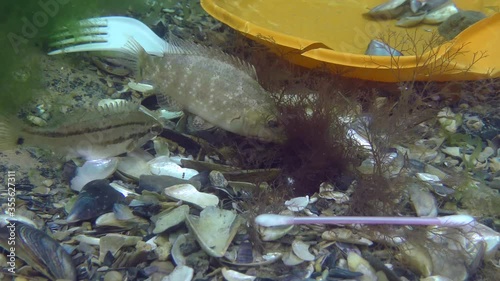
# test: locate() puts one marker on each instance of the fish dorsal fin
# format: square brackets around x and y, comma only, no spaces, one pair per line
[92,114]
[117,107]
[182,47]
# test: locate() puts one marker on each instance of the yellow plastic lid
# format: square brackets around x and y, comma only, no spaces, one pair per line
[335,34]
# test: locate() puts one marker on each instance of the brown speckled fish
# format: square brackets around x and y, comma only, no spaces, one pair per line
[219,88]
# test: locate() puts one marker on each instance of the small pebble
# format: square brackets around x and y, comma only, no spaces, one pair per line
[48,182]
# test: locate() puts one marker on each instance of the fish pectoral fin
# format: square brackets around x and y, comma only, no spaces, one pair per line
[133,145]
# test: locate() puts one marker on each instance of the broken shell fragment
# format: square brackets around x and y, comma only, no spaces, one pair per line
[297,204]
[96,198]
[232,275]
[274,233]
[301,250]
[423,202]
[388,10]
[290,259]
[159,183]
[170,219]
[93,170]
[176,251]
[377,48]
[345,235]
[180,273]
[39,250]
[135,164]
[113,242]
[164,166]
[359,264]
[188,193]
[110,220]
[214,229]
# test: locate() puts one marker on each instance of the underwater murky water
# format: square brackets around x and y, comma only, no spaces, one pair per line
[154,165]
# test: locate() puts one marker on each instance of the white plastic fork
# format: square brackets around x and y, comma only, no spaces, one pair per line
[109,34]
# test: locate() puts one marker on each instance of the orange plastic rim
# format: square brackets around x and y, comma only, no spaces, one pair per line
[335,34]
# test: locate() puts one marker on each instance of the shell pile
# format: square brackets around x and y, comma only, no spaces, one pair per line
[182,206]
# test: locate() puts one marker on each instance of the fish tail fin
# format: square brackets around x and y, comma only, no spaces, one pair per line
[10,132]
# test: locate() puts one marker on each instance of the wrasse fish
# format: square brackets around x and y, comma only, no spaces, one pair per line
[215,86]
[89,134]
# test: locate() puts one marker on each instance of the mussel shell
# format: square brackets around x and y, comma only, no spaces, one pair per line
[245,253]
[96,198]
[379,48]
[40,251]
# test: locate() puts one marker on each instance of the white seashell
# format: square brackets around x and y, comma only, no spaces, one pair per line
[214,229]
[290,259]
[113,242]
[177,159]
[483,234]
[177,256]
[151,242]
[140,87]
[297,204]
[345,235]
[494,164]
[417,258]
[270,258]
[436,278]
[274,233]
[337,196]
[359,139]
[171,219]
[135,164]
[379,48]
[301,250]
[165,114]
[485,154]
[423,202]
[188,193]
[448,120]
[435,171]
[388,9]
[452,151]
[410,21]
[180,273]
[37,120]
[231,275]
[359,264]
[441,14]
[94,241]
[164,166]
[474,123]
[120,187]
[93,170]
[109,219]
[428,178]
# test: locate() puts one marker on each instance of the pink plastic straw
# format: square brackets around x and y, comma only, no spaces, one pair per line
[450,221]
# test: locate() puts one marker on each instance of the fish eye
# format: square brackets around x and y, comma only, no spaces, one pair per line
[272,123]
[156,129]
